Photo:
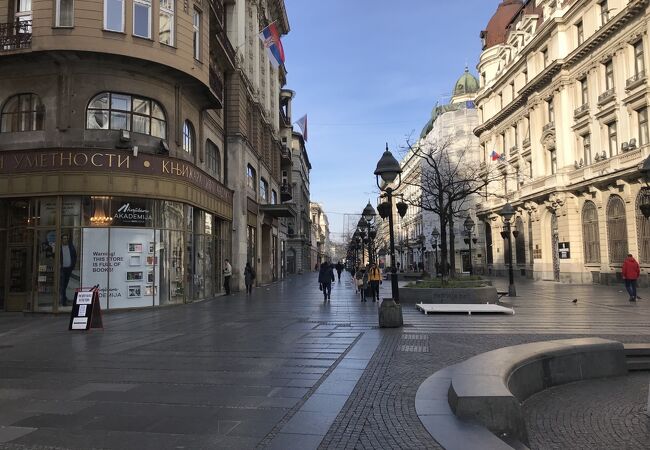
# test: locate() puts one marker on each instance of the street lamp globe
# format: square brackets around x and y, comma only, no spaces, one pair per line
[388,168]
[369,212]
[468,224]
[507,212]
[435,234]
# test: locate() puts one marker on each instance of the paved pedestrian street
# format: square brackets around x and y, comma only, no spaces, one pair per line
[283,369]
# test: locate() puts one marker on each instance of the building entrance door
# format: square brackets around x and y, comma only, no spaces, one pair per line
[554,248]
[464,257]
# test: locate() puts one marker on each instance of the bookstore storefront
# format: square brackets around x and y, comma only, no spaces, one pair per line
[141,252]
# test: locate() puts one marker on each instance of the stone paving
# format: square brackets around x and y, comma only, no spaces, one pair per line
[283,369]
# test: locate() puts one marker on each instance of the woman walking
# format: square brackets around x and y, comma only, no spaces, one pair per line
[325,278]
[249,277]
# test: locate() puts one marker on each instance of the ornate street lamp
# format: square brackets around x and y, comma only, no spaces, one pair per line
[388,168]
[369,215]
[469,227]
[507,212]
[435,234]
[645,171]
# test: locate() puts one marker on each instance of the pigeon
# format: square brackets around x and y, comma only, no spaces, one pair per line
[575,300]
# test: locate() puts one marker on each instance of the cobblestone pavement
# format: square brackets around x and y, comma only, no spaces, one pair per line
[232,372]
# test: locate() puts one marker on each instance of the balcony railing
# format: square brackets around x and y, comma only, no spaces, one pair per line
[216,83]
[605,96]
[15,35]
[513,150]
[526,143]
[549,126]
[635,80]
[581,110]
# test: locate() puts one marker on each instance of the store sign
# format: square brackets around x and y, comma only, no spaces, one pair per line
[129,214]
[564,250]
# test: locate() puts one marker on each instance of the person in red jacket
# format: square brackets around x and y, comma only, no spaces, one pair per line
[631,272]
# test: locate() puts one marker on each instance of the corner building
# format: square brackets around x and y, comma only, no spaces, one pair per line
[564,102]
[112,140]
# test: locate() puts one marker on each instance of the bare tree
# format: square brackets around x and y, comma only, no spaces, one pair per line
[448,177]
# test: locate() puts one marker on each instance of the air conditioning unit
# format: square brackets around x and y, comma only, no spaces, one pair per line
[625,147]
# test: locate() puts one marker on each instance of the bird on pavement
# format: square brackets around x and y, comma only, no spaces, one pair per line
[575,300]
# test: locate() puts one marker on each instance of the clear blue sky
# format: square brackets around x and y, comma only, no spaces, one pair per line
[367,72]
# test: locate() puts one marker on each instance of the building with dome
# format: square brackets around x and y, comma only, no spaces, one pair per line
[452,123]
[564,101]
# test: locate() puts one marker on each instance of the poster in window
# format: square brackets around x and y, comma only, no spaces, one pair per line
[134,291]
[134,260]
[135,247]
[134,276]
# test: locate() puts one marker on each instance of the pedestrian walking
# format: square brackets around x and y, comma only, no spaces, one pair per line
[631,272]
[374,278]
[227,273]
[249,277]
[325,278]
[339,269]
[362,282]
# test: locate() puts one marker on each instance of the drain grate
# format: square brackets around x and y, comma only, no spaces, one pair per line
[418,343]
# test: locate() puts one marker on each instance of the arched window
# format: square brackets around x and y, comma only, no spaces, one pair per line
[616,229]
[213,159]
[643,226]
[520,242]
[188,137]
[23,112]
[590,233]
[112,111]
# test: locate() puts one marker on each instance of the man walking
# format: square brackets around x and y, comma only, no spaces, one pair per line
[325,278]
[339,269]
[631,272]
[227,273]
[374,278]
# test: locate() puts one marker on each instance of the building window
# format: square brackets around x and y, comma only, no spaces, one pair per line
[251,177]
[545,57]
[586,147]
[23,112]
[550,109]
[642,115]
[520,242]
[616,230]
[590,233]
[196,32]
[142,18]
[274,197]
[166,27]
[112,111]
[584,91]
[188,137]
[643,227]
[553,155]
[114,15]
[213,160]
[609,75]
[515,136]
[525,76]
[639,60]
[529,163]
[612,139]
[604,12]
[264,190]
[64,13]
[580,32]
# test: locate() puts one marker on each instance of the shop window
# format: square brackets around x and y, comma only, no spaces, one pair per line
[22,112]
[590,233]
[113,111]
[643,226]
[616,229]
[188,137]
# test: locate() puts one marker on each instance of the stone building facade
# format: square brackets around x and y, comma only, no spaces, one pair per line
[564,103]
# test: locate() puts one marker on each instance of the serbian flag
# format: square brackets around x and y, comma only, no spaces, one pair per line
[495,156]
[302,123]
[271,39]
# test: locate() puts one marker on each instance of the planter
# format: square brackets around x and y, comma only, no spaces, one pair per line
[455,296]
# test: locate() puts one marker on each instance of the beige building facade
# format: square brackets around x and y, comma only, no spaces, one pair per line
[563,111]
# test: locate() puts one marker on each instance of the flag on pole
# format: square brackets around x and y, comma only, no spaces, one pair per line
[495,156]
[302,123]
[271,39]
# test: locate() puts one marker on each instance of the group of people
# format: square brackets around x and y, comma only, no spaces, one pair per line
[249,277]
[368,278]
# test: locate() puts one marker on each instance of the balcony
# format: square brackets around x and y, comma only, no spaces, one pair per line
[581,111]
[636,80]
[606,96]
[15,35]
[549,127]
[216,83]
[286,192]
[526,143]
[513,150]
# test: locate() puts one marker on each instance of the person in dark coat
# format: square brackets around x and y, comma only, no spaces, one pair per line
[339,269]
[249,277]
[325,278]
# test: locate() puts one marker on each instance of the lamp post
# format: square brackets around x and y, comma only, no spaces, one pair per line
[507,212]
[362,234]
[388,168]
[421,241]
[469,227]
[369,215]
[435,234]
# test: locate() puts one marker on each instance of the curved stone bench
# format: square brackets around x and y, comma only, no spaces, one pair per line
[463,405]
[455,296]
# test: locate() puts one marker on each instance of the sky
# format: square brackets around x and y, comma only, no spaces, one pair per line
[367,73]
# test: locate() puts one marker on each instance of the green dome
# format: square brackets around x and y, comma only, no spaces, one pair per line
[466,84]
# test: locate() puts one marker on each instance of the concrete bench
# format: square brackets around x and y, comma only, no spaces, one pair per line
[459,404]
